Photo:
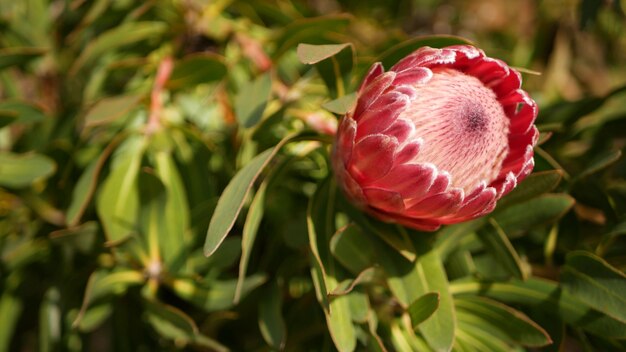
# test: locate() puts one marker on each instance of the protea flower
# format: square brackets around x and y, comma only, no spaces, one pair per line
[438,139]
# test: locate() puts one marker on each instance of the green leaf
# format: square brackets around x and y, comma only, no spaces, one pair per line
[103,284]
[349,247]
[320,223]
[534,185]
[250,228]
[450,237]
[317,30]
[217,295]
[438,331]
[174,324]
[152,198]
[173,242]
[118,199]
[543,209]
[394,54]
[82,192]
[423,308]
[271,322]
[21,170]
[595,282]
[498,245]
[252,99]
[197,69]
[547,296]
[125,34]
[110,109]
[21,112]
[341,105]
[231,200]
[19,55]
[50,320]
[11,306]
[333,62]
[601,162]
[501,322]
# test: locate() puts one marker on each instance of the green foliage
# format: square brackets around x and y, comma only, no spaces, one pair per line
[165,182]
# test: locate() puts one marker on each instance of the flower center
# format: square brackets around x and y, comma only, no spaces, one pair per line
[463,127]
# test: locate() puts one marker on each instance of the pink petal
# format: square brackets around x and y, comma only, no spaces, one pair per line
[345,139]
[372,91]
[401,129]
[410,181]
[409,91]
[425,56]
[384,199]
[409,151]
[372,157]
[418,75]
[438,205]
[374,71]
[477,204]
[382,114]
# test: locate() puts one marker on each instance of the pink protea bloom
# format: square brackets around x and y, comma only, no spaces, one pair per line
[438,139]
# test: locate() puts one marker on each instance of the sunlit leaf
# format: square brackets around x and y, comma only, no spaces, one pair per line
[422,308]
[110,109]
[217,295]
[341,105]
[534,185]
[333,62]
[311,30]
[252,99]
[540,210]
[21,170]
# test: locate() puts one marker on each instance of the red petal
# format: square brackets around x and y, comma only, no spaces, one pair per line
[372,91]
[374,71]
[488,70]
[438,205]
[382,114]
[409,151]
[372,157]
[413,76]
[509,83]
[345,139]
[410,181]
[401,130]
[384,199]
[425,56]
[525,118]
[478,204]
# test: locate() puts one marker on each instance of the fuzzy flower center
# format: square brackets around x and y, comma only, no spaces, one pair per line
[463,127]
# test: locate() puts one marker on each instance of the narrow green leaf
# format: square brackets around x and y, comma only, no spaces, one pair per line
[547,296]
[341,105]
[595,282]
[312,54]
[317,30]
[110,109]
[271,322]
[152,198]
[350,247]
[320,227]
[118,199]
[252,99]
[21,170]
[346,286]
[333,62]
[197,69]
[601,162]
[174,324]
[103,284]
[217,295]
[173,242]
[394,54]
[475,339]
[543,209]
[250,228]
[422,308]
[115,38]
[340,326]
[21,112]
[82,192]
[19,55]
[231,200]
[450,237]
[501,322]
[498,245]
[534,185]
[438,330]
[50,321]
[10,310]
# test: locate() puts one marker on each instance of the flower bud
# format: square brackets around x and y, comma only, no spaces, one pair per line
[437,139]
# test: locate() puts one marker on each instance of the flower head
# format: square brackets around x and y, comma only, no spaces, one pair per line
[437,139]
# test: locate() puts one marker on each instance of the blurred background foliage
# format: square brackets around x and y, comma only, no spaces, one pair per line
[122,122]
